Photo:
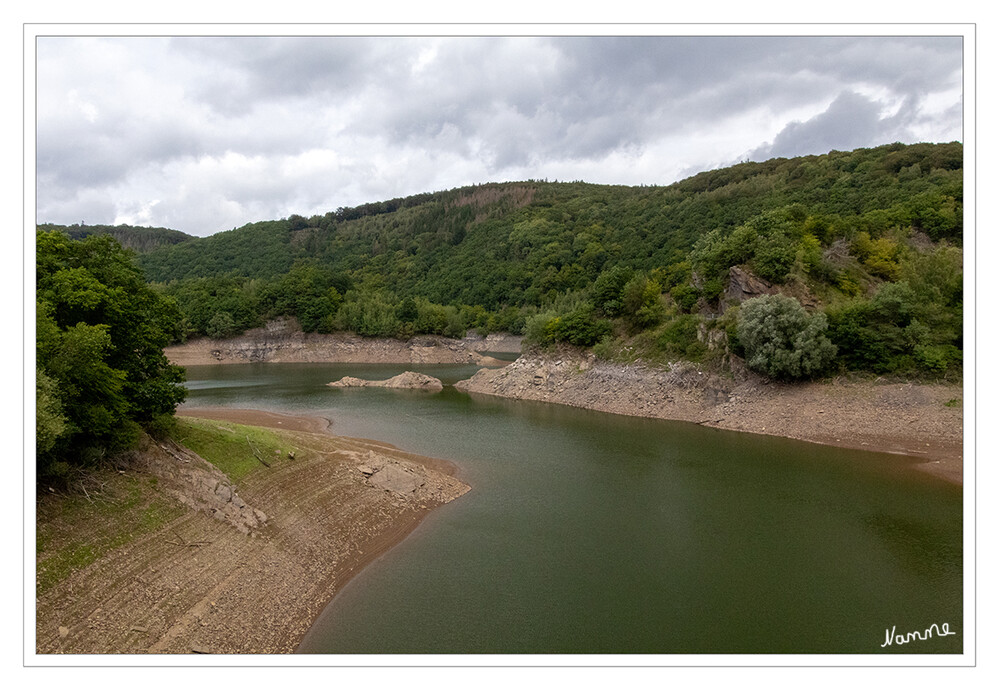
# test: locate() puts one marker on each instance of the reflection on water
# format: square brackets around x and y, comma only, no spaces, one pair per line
[588,532]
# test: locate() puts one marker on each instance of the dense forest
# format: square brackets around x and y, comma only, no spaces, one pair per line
[865,245]
[141,239]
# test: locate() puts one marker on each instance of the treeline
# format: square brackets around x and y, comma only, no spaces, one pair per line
[140,239]
[868,240]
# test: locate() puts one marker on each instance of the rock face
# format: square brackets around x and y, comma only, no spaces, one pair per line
[282,340]
[743,285]
[407,379]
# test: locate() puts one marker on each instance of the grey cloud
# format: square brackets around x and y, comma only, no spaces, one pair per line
[850,122]
[481,109]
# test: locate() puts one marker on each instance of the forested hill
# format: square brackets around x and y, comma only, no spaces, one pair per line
[139,239]
[869,241]
[521,243]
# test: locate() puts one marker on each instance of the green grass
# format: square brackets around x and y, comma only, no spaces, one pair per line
[74,531]
[953,402]
[225,445]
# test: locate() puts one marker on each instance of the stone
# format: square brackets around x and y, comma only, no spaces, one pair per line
[63,631]
[394,478]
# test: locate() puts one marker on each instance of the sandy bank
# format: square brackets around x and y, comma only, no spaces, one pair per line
[283,341]
[197,584]
[922,420]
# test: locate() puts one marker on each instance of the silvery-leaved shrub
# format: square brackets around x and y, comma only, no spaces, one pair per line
[782,340]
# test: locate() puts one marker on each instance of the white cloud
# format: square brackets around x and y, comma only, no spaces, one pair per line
[203,134]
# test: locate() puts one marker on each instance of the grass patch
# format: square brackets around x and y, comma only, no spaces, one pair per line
[224,444]
[73,530]
[953,402]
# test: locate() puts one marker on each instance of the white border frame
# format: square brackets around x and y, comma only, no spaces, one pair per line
[966,31]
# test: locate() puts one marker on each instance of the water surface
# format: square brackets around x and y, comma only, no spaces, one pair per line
[596,533]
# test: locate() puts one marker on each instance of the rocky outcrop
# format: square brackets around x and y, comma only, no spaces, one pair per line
[282,340]
[743,285]
[196,483]
[679,392]
[407,379]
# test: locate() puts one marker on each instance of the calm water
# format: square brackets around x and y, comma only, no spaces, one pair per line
[596,533]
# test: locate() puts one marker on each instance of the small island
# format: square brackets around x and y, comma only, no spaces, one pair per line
[407,379]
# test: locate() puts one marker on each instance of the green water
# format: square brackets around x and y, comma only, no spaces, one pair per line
[594,533]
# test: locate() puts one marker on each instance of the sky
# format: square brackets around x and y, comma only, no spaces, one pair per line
[204,134]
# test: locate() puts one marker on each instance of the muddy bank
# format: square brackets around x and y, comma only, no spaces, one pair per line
[324,508]
[283,341]
[922,420]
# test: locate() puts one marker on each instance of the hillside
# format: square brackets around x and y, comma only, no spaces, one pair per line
[139,239]
[869,239]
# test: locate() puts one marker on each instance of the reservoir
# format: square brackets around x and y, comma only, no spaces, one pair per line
[587,532]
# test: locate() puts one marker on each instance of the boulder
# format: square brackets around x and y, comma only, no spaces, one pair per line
[394,478]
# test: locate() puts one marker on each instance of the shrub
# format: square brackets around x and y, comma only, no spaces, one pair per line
[678,338]
[781,339]
[685,296]
[578,328]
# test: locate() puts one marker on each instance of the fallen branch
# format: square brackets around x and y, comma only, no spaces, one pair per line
[255,454]
[184,542]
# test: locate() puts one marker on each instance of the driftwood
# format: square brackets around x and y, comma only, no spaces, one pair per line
[256,454]
[184,542]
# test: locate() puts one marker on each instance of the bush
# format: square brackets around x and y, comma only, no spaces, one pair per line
[685,296]
[782,340]
[678,338]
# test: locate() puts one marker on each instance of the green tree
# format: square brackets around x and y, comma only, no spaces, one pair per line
[781,339]
[99,340]
[221,325]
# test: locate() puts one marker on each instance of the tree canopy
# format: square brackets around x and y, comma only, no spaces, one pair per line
[101,371]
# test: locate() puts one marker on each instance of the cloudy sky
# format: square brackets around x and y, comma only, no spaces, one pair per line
[206,134]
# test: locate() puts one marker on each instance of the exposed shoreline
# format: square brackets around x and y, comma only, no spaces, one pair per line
[282,340]
[328,517]
[919,420]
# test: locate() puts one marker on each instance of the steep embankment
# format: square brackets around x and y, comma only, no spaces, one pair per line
[283,341]
[923,420]
[249,563]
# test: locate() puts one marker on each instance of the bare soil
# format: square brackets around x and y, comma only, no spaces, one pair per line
[921,420]
[196,584]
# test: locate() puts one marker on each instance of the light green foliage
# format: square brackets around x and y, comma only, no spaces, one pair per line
[782,340]
[642,304]
[774,257]
[50,422]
